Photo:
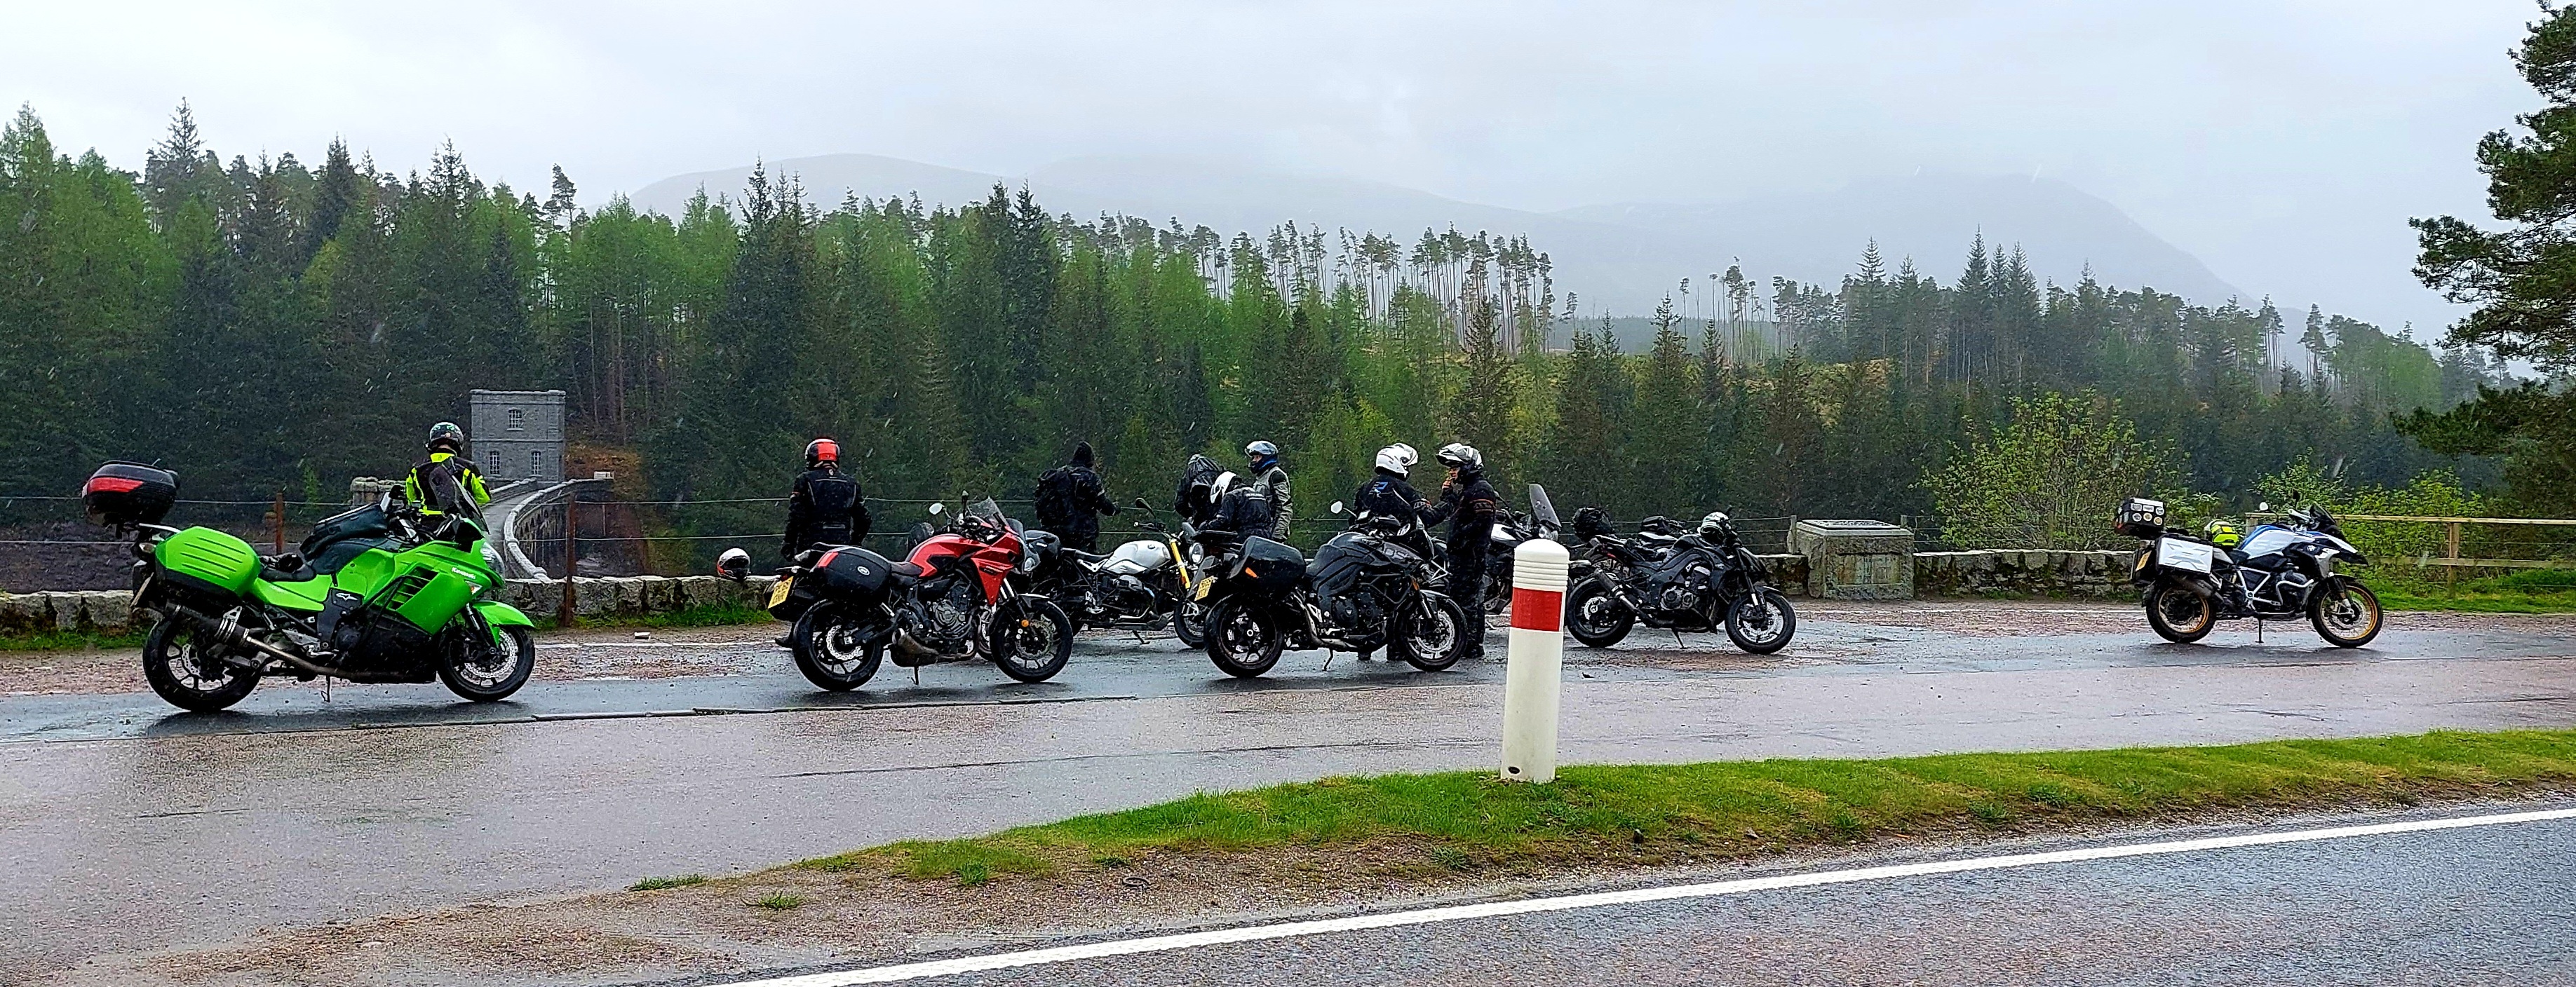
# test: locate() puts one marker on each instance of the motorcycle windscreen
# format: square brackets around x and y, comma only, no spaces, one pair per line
[1542,511]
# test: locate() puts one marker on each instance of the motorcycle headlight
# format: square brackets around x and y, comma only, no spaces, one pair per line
[1028,562]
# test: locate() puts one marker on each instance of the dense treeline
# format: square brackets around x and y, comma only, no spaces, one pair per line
[266,325]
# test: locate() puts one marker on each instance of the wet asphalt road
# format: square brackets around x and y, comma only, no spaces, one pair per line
[2479,906]
[115,816]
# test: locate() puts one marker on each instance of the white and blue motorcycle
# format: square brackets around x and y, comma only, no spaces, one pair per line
[2282,571]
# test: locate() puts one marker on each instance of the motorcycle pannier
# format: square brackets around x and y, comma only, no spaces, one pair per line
[126,493]
[1270,565]
[2139,517]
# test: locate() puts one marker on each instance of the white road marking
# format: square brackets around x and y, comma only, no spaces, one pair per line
[1286,930]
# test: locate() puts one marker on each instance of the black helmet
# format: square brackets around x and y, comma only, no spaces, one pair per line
[448,435]
[821,451]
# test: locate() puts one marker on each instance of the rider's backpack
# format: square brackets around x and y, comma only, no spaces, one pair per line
[1055,496]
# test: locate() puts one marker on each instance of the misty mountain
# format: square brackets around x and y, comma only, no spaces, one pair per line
[1620,256]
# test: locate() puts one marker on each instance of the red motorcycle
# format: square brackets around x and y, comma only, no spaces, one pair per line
[955,598]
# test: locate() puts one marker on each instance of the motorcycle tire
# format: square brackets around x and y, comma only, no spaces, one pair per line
[1189,623]
[483,686]
[2180,613]
[1436,647]
[1596,616]
[1033,627]
[827,654]
[1761,622]
[2341,627]
[1243,639]
[171,643]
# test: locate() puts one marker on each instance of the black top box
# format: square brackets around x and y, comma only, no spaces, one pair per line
[121,494]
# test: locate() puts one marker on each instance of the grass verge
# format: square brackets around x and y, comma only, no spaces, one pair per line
[1659,813]
[70,640]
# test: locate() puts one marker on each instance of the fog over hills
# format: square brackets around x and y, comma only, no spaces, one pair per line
[1620,257]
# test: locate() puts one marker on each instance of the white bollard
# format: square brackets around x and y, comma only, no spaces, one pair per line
[1536,663]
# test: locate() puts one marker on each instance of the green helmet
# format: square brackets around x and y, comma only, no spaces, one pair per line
[447,434]
[2224,533]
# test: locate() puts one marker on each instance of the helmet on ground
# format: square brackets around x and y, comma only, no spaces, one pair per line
[1260,449]
[1459,455]
[2223,533]
[1715,524]
[822,451]
[447,434]
[1397,459]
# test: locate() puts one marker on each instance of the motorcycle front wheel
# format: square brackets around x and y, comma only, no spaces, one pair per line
[489,670]
[2180,613]
[1596,616]
[1031,638]
[185,667]
[1433,636]
[1761,622]
[1243,638]
[2345,612]
[835,653]
[1189,623]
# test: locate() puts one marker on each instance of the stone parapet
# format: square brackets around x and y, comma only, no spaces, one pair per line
[2012,572]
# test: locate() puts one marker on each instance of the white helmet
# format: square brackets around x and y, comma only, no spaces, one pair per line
[1397,459]
[1461,456]
[1224,482]
[1715,524]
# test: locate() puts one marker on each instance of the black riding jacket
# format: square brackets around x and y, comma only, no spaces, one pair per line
[825,508]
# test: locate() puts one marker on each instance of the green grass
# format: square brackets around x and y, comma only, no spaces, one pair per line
[1464,820]
[662,883]
[2525,591]
[779,902]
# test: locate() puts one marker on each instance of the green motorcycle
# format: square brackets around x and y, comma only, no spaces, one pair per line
[376,594]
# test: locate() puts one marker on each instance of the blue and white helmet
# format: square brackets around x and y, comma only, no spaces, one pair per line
[1260,449]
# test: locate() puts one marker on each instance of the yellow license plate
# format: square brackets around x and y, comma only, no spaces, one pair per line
[1205,584]
[778,593]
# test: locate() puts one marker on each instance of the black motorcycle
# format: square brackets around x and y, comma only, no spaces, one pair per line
[1681,582]
[1143,585]
[1363,591]
[1509,533]
[2278,572]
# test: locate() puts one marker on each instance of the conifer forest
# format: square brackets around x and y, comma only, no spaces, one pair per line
[282,324]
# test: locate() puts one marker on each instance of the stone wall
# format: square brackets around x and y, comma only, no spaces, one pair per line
[1789,572]
[2023,573]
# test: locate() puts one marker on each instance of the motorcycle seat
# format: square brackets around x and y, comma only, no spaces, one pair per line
[1090,557]
[907,570]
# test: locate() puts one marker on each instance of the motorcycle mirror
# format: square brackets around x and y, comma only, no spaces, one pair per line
[733,564]
[938,508]
[1337,507]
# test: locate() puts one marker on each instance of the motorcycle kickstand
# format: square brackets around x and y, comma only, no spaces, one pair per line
[1677,638]
[2258,630]
[1328,658]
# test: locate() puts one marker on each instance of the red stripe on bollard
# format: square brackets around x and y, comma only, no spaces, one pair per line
[1537,610]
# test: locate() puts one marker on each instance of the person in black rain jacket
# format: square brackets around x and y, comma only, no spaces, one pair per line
[826,506]
[1470,505]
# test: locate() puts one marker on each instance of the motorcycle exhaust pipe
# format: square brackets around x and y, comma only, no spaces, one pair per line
[230,632]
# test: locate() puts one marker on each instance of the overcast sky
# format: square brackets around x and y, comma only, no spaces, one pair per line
[2285,142]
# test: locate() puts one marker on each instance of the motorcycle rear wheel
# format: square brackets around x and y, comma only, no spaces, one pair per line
[831,652]
[1030,639]
[2180,613]
[1243,639]
[1596,616]
[180,664]
[1434,640]
[499,668]
[2345,612]
[1761,622]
